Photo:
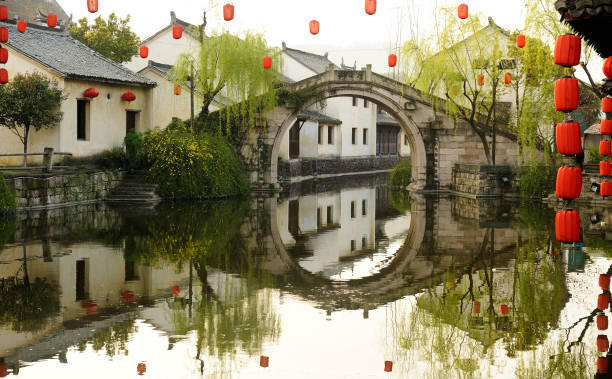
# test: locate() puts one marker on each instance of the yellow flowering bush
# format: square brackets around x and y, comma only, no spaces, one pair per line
[193,166]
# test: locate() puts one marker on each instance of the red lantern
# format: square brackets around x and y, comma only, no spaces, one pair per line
[3,370]
[52,20]
[177,32]
[314,27]
[605,148]
[605,168]
[604,282]
[568,139]
[141,368]
[3,76]
[128,96]
[476,307]
[605,189]
[605,127]
[569,183]
[21,26]
[567,50]
[602,322]
[92,6]
[607,68]
[91,93]
[3,35]
[3,13]
[177,89]
[462,11]
[606,105]
[481,80]
[264,361]
[602,343]
[144,51]
[566,94]
[176,290]
[503,309]
[228,12]
[266,62]
[370,7]
[392,60]
[520,41]
[603,300]
[508,78]
[388,366]
[567,226]
[602,365]
[127,297]
[3,55]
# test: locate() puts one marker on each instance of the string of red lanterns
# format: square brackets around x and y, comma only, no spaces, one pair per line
[4,36]
[601,320]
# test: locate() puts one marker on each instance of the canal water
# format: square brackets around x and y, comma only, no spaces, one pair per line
[342,278]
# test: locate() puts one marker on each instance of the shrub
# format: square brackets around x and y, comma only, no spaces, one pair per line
[401,175]
[537,180]
[8,202]
[111,158]
[134,148]
[593,156]
[193,166]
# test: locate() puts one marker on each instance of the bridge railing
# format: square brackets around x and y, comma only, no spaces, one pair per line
[48,155]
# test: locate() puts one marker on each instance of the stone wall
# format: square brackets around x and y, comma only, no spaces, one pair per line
[308,168]
[481,181]
[47,191]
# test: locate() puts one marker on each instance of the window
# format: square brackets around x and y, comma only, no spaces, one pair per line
[353,245]
[406,139]
[330,135]
[330,215]
[354,136]
[81,279]
[82,119]
[352,209]
[365,103]
[319,216]
[365,136]
[363,242]
[354,101]
[130,271]
[364,207]
[320,135]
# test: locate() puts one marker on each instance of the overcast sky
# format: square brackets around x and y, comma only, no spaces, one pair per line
[346,31]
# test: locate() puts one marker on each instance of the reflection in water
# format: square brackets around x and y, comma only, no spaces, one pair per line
[331,281]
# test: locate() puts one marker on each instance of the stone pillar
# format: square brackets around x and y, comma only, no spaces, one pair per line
[48,159]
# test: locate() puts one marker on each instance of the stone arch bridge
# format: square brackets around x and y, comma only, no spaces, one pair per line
[437,141]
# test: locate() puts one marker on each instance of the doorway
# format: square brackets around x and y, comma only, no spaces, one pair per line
[130,121]
[294,141]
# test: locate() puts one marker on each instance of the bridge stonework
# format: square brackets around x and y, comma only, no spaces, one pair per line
[437,141]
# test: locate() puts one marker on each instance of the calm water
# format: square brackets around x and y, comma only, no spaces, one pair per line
[329,280]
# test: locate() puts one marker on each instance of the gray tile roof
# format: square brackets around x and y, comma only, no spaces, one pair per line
[69,57]
[315,62]
[318,117]
[34,11]
[384,118]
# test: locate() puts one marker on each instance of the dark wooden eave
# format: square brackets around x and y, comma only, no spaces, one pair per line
[591,20]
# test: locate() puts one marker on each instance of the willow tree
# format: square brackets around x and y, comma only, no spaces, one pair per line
[230,67]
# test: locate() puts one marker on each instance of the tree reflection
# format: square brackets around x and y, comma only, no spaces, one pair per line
[112,339]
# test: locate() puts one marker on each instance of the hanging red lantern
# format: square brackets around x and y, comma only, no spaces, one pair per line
[3,370]
[567,50]
[566,94]
[520,41]
[603,300]
[503,309]
[4,35]
[388,366]
[605,188]
[567,226]
[91,93]
[476,307]
[177,89]
[21,26]
[605,168]
[128,96]
[462,11]
[176,290]
[52,20]
[606,127]
[314,27]
[264,361]
[602,365]
[605,147]
[508,78]
[3,13]
[602,343]
[228,12]
[92,6]
[141,368]
[481,80]
[604,282]
[569,183]
[3,76]
[127,297]
[266,62]
[370,7]
[567,136]
[144,51]
[602,322]
[177,32]
[3,55]
[607,68]
[392,60]
[606,105]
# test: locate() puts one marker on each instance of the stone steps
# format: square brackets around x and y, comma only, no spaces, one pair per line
[134,189]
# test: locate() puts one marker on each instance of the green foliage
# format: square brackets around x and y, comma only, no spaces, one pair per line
[593,156]
[401,175]
[193,166]
[400,200]
[28,306]
[113,38]
[112,339]
[536,180]
[114,158]
[8,225]
[30,101]
[134,147]
[8,202]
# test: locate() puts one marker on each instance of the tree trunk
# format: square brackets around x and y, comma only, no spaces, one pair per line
[191,97]
[25,145]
